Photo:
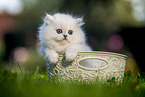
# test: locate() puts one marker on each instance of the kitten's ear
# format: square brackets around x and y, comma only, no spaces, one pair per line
[48,19]
[80,22]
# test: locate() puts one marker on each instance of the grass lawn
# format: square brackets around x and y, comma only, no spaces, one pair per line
[19,84]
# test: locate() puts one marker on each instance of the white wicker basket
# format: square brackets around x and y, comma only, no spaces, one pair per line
[102,66]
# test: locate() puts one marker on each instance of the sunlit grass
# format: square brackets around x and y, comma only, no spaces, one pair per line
[35,84]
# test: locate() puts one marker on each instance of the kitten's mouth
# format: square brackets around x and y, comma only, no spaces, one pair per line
[64,39]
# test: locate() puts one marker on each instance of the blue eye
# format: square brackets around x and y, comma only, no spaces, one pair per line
[70,32]
[59,31]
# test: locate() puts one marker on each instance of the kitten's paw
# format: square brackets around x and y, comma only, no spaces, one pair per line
[53,57]
[70,56]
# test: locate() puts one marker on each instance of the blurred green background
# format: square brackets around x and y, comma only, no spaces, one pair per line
[111,25]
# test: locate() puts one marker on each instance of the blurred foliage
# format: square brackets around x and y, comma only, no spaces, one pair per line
[35,59]
[100,15]
[35,10]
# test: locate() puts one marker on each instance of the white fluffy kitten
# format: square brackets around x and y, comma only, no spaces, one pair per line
[62,33]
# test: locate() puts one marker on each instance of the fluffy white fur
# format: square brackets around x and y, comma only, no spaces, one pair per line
[51,42]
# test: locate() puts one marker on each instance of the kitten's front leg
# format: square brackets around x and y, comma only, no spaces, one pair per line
[71,53]
[51,55]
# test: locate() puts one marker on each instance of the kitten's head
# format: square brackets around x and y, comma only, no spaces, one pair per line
[62,28]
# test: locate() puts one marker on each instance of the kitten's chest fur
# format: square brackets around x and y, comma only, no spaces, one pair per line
[59,46]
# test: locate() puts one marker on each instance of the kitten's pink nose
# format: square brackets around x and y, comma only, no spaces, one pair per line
[65,36]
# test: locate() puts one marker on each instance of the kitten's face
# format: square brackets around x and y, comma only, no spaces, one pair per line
[63,28]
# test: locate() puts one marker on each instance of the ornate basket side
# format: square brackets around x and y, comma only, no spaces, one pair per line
[72,71]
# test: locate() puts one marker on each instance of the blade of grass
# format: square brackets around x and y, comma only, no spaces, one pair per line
[20,68]
[36,72]
[11,64]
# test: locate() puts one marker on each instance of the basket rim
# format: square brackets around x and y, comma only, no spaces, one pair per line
[104,53]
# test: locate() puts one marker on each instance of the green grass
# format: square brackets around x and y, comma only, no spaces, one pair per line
[20,84]
[31,80]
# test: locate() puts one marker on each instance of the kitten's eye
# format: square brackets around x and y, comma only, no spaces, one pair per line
[70,32]
[59,31]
